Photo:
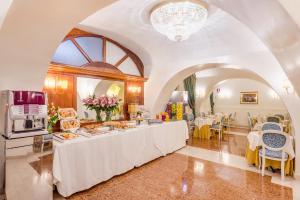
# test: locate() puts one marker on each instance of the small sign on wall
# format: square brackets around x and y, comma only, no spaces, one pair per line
[249,98]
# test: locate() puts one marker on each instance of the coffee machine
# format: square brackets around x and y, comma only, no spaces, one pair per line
[23,113]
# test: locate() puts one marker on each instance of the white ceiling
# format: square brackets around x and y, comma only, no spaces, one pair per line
[221,35]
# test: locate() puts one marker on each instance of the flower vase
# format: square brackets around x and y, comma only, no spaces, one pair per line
[98,116]
[50,129]
[108,115]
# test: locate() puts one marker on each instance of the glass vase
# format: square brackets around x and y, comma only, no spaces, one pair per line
[98,116]
[108,115]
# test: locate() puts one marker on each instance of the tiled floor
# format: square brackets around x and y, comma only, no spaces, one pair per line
[179,176]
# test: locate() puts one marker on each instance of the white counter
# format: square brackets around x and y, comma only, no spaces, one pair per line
[84,162]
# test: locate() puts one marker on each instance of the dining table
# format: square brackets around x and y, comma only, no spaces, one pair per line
[202,127]
[255,143]
[83,162]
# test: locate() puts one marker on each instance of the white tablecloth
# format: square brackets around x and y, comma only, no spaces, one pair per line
[258,126]
[84,162]
[255,140]
[199,121]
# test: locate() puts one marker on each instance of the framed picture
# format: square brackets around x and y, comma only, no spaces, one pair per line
[249,98]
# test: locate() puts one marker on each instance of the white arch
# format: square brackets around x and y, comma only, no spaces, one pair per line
[291,101]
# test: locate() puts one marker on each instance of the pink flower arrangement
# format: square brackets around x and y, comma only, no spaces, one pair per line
[102,103]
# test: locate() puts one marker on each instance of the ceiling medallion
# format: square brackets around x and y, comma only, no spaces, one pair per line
[178,20]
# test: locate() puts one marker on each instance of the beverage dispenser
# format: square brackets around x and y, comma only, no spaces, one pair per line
[23,113]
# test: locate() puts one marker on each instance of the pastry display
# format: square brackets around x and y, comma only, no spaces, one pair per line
[92,128]
[69,124]
[67,113]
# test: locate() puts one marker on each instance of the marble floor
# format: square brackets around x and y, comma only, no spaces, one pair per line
[179,176]
[29,177]
[231,143]
[44,166]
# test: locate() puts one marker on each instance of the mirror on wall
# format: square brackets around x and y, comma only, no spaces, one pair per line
[99,87]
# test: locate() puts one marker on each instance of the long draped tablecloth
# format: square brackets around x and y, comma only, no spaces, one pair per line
[202,133]
[252,157]
[84,162]
[202,127]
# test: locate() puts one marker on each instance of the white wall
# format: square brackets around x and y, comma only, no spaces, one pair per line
[228,99]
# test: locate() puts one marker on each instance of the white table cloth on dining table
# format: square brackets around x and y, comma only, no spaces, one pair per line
[84,162]
[255,140]
[199,121]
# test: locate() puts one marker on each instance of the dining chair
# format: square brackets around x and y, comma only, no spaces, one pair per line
[249,115]
[286,124]
[273,119]
[202,114]
[226,122]
[273,145]
[233,118]
[280,116]
[250,124]
[271,126]
[218,127]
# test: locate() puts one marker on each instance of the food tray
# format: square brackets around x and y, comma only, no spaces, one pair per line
[67,113]
[70,125]
[65,136]
[93,132]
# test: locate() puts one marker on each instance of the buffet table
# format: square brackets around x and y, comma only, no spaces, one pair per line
[84,162]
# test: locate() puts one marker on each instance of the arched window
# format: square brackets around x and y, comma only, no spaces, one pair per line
[81,49]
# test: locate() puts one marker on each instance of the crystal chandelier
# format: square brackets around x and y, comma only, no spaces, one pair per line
[178,19]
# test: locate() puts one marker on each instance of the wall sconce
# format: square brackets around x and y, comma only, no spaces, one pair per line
[134,89]
[53,83]
[50,83]
[63,84]
[274,95]
[287,85]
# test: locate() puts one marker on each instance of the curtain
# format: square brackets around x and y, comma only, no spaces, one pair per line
[212,103]
[189,85]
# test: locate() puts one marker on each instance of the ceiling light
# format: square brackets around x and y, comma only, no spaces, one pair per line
[178,19]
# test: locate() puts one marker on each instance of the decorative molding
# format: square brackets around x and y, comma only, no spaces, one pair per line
[106,71]
[104,49]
